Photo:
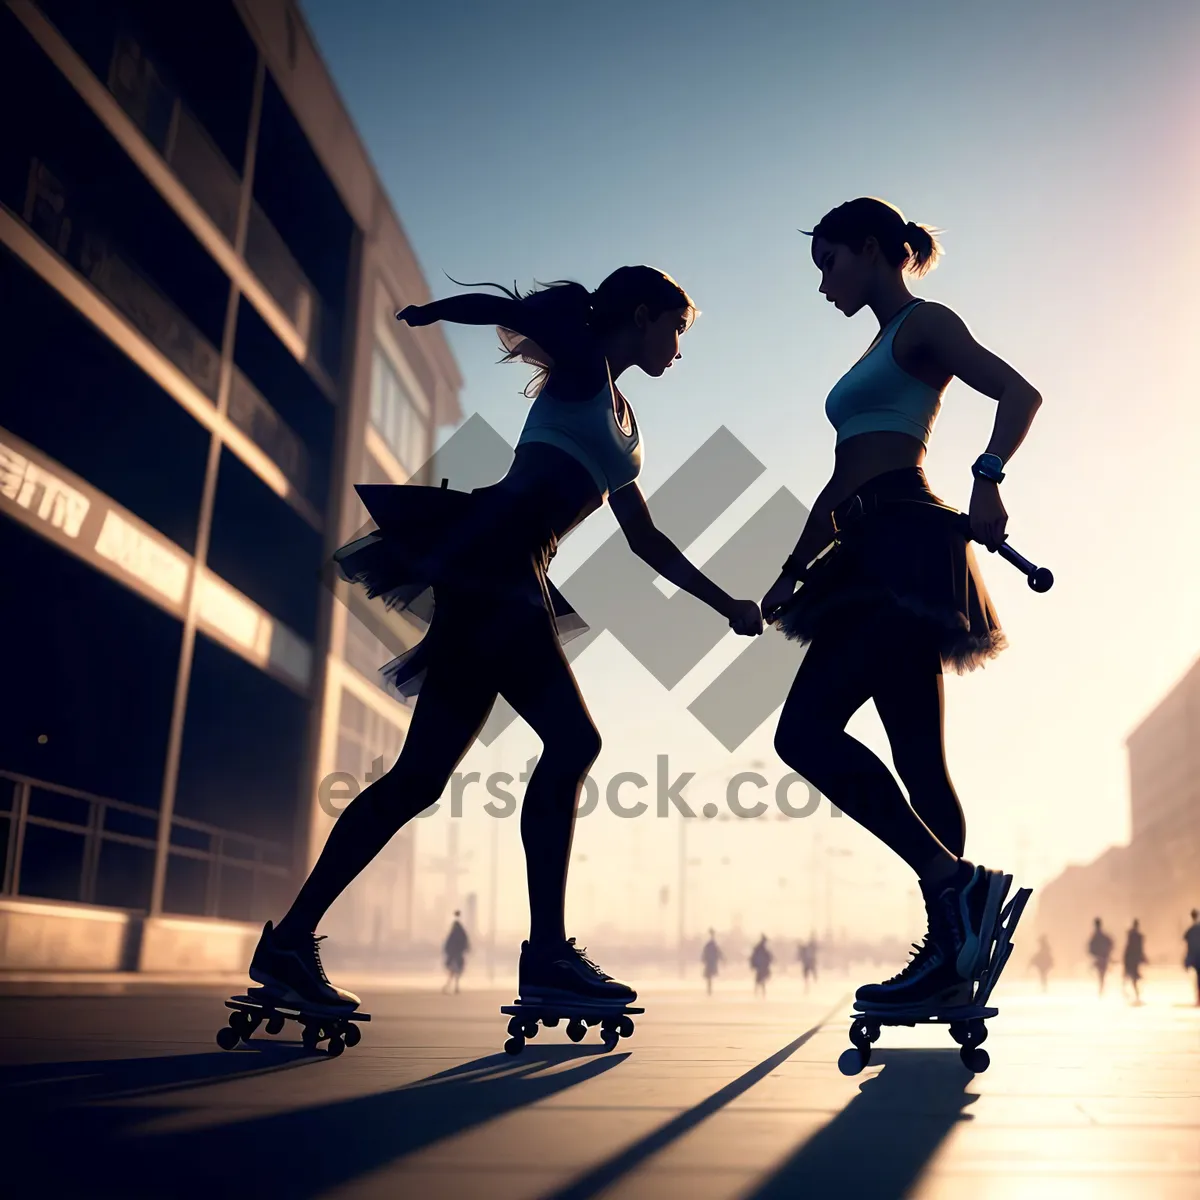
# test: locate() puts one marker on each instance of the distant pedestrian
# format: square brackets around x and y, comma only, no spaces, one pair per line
[1135,956]
[1043,960]
[712,957]
[1100,949]
[806,952]
[1192,939]
[761,960]
[455,951]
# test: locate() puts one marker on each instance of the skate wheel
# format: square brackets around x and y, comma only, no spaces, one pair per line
[576,1031]
[529,1030]
[968,1033]
[353,1034]
[275,1025]
[311,1036]
[514,1045]
[515,1025]
[336,1046]
[975,1059]
[625,1027]
[551,1022]
[228,1038]
[610,1037]
[862,1034]
[853,1060]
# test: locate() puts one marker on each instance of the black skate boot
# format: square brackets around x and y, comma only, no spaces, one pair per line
[293,974]
[562,973]
[929,982]
[963,912]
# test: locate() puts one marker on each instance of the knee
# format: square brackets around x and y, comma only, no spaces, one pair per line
[574,747]
[800,744]
[407,787]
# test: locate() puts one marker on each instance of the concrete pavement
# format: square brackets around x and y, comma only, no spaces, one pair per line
[128,1095]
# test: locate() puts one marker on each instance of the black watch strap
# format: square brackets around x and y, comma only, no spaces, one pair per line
[989,467]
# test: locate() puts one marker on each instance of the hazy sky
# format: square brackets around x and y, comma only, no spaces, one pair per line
[1056,145]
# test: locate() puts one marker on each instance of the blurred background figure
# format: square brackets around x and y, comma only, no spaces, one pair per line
[455,951]
[1043,960]
[806,952]
[1135,956]
[1100,949]
[712,958]
[760,961]
[1192,941]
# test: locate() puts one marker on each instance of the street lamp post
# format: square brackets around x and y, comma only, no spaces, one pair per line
[831,852]
[495,856]
[754,764]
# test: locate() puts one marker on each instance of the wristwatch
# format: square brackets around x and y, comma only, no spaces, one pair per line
[989,467]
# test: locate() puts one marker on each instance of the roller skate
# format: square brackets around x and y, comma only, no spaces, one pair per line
[559,982]
[932,989]
[294,988]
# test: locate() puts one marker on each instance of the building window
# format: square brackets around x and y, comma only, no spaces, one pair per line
[395,416]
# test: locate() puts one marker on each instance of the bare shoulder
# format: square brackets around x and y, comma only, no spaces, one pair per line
[942,344]
[929,320]
[932,337]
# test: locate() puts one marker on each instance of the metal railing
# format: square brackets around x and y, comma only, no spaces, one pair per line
[224,849]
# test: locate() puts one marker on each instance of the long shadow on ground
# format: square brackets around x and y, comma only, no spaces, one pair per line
[72,1128]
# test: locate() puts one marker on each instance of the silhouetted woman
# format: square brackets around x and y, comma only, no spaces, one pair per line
[497,620]
[761,959]
[900,596]
[1134,959]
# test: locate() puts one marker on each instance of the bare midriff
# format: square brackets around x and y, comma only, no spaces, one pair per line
[860,458]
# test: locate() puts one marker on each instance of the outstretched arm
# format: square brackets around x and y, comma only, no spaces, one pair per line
[471,308]
[540,324]
[653,546]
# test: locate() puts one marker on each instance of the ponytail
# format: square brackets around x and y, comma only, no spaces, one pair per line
[923,247]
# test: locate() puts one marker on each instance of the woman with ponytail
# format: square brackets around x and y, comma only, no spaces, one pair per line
[497,621]
[890,591]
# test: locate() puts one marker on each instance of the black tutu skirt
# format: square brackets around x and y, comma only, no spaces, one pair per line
[898,546]
[486,550]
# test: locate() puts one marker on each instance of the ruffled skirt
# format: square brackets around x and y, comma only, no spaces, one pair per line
[899,546]
[487,550]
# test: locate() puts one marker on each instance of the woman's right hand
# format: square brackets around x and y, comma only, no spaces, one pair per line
[781,591]
[745,618]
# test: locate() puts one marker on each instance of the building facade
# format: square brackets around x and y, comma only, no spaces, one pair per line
[1156,878]
[198,270]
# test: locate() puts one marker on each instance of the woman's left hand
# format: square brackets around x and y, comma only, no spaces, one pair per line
[413,315]
[988,515]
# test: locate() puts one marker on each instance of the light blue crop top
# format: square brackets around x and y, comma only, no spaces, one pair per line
[601,433]
[876,395]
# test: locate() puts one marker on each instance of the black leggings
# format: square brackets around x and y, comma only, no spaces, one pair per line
[887,658]
[516,654]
